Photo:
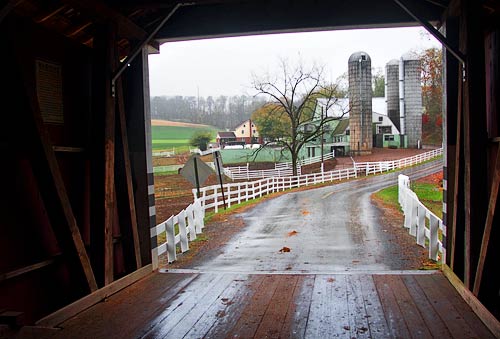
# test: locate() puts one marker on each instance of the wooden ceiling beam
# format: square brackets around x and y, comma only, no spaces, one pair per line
[98,10]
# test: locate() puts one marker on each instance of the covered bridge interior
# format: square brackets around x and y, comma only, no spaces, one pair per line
[77,196]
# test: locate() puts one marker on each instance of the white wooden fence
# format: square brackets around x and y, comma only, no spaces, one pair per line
[313,160]
[164,153]
[235,193]
[421,223]
[282,169]
[368,168]
[177,231]
[244,173]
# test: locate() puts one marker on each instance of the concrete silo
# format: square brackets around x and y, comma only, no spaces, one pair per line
[360,103]
[392,91]
[410,97]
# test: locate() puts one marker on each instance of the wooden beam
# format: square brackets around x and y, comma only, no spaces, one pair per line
[489,223]
[25,269]
[97,9]
[128,174]
[109,158]
[58,317]
[457,174]
[481,311]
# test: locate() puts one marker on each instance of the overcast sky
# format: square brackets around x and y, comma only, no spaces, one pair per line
[224,66]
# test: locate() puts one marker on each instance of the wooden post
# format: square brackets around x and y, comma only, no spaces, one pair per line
[109,159]
[488,226]
[128,173]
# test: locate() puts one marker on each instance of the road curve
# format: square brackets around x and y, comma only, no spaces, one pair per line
[328,229]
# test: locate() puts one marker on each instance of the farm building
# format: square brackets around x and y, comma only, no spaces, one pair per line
[77,198]
[245,133]
[337,133]
[372,122]
[224,138]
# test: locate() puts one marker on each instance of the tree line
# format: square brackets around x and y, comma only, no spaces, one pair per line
[224,112]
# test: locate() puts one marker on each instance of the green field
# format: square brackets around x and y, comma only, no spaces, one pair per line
[168,137]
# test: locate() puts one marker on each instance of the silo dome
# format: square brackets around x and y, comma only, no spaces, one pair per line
[355,57]
[393,62]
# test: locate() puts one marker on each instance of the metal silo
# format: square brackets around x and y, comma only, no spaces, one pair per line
[392,91]
[360,103]
[411,99]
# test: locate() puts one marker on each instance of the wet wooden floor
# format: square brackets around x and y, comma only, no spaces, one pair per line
[227,305]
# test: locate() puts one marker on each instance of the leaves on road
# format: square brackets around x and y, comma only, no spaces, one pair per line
[285,249]
[292,233]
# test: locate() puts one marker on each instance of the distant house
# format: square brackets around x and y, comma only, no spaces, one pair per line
[247,132]
[224,138]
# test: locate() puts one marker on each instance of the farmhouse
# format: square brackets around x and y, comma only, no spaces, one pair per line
[247,132]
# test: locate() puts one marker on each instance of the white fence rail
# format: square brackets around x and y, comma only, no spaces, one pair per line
[164,153]
[243,172]
[206,152]
[422,223]
[177,231]
[383,166]
[314,160]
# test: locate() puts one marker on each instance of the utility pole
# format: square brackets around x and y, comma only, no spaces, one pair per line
[322,133]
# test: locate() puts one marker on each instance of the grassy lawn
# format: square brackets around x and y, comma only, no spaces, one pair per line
[430,195]
[168,137]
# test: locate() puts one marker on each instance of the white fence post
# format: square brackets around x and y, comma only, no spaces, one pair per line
[183,232]
[171,252]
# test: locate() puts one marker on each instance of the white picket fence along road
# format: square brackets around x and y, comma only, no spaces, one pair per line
[179,230]
[383,166]
[282,169]
[421,223]
[235,193]
[244,173]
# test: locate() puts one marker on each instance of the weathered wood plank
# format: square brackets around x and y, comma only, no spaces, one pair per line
[222,314]
[432,320]
[358,317]
[445,309]
[252,315]
[234,308]
[273,321]
[329,314]
[198,289]
[395,320]
[298,312]
[471,319]
[179,328]
[373,308]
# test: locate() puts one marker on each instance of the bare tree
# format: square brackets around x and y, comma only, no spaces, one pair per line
[292,95]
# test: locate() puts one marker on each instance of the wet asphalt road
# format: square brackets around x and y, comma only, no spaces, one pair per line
[337,229]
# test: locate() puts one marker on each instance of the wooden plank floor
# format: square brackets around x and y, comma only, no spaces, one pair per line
[227,305]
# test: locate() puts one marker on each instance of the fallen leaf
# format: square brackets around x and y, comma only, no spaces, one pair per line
[285,249]
[347,328]
[292,233]
[330,280]
[305,212]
